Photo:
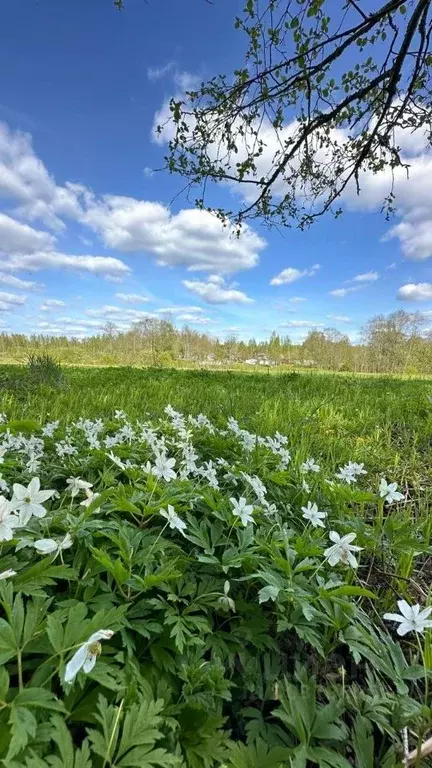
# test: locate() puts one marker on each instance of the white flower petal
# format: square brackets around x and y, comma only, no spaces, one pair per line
[89,662]
[75,664]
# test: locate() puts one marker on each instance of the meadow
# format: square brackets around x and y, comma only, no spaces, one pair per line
[214,569]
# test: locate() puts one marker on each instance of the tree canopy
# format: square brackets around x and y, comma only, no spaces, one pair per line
[324,93]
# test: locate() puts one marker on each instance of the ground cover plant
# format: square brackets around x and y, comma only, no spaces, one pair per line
[180,587]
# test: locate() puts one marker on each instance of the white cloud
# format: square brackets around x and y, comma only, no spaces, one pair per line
[296,300]
[16,282]
[192,238]
[114,313]
[51,304]
[173,310]
[67,321]
[415,292]
[341,292]
[10,300]
[366,277]
[291,274]
[16,237]
[301,324]
[413,199]
[215,291]
[195,319]
[103,266]
[132,298]
[340,318]
[157,73]
[24,178]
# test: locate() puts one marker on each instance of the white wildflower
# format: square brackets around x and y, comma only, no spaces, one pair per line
[389,492]
[174,521]
[309,466]
[163,468]
[28,500]
[346,474]
[411,618]
[76,485]
[49,546]
[91,497]
[86,655]
[7,574]
[225,601]
[116,460]
[312,514]
[243,510]
[8,521]
[49,429]
[342,550]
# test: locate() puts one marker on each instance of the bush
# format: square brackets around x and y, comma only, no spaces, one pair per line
[44,370]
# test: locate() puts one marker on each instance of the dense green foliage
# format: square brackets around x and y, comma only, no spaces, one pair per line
[223,638]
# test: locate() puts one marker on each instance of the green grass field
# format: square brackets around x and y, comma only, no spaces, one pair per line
[199,553]
[384,421]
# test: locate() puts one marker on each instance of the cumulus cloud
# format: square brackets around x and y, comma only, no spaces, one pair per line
[215,291]
[413,199]
[296,300]
[16,237]
[291,274]
[25,180]
[192,238]
[340,318]
[102,266]
[10,300]
[415,292]
[51,304]
[16,282]
[366,277]
[132,298]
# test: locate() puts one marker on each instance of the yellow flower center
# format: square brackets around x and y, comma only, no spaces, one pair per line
[94,649]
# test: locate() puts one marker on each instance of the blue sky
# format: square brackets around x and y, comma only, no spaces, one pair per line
[85,222]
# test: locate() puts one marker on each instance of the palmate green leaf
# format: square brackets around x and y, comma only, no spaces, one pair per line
[258,755]
[4,683]
[139,736]
[38,698]
[8,648]
[327,758]
[104,741]
[31,580]
[23,728]
[69,757]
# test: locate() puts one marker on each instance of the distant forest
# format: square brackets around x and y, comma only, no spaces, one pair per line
[395,343]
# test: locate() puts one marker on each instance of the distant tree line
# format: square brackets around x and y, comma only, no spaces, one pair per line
[395,343]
